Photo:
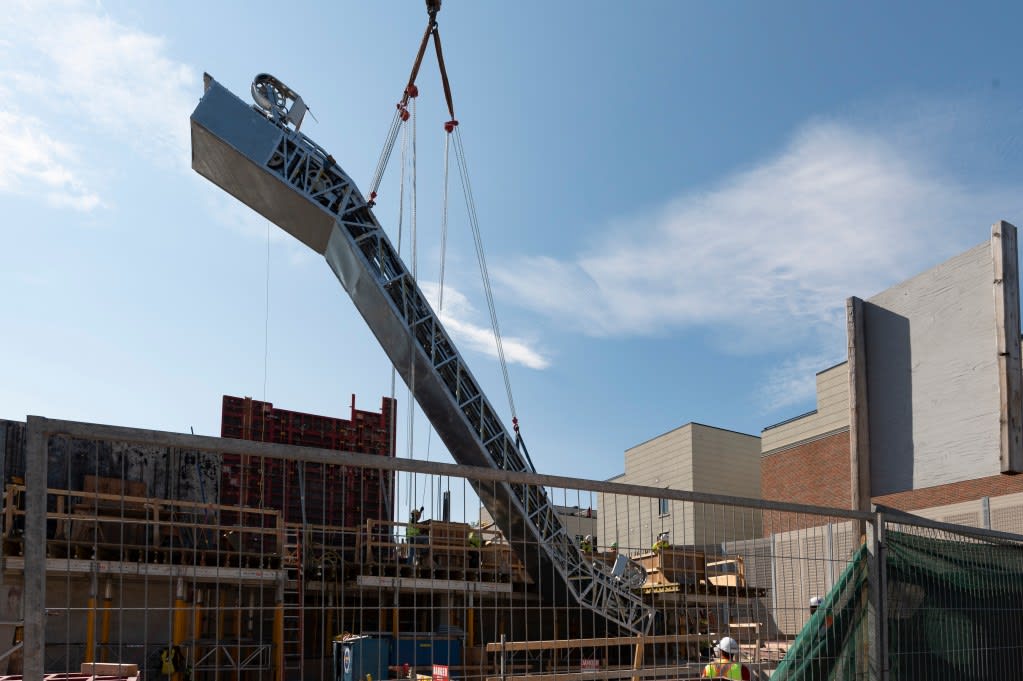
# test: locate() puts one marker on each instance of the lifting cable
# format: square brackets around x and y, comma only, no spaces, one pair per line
[401,116]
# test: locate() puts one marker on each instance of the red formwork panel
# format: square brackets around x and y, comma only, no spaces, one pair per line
[335,495]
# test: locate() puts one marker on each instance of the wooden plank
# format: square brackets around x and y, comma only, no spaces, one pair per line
[423,584]
[621,673]
[1010,379]
[859,422]
[110,668]
[637,659]
[563,644]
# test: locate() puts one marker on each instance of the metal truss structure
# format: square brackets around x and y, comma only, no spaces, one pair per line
[257,154]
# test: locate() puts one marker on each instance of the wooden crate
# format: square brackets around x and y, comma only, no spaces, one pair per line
[727,572]
[450,534]
[674,566]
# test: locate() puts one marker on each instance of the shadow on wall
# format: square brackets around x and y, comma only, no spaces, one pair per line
[889,399]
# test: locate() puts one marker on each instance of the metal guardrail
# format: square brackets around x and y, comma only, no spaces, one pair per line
[764,605]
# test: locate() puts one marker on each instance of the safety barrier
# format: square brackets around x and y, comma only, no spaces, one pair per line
[117,549]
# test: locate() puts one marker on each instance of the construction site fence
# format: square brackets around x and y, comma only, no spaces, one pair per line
[137,552]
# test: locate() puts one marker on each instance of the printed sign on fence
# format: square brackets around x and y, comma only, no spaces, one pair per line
[589,665]
[440,672]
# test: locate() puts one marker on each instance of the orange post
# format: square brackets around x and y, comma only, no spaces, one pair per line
[180,623]
[90,630]
[197,621]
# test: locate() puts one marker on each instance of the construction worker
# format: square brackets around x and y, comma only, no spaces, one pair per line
[661,543]
[414,533]
[587,544]
[726,665]
[829,619]
[475,542]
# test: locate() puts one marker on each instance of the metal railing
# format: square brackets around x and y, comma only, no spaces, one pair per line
[113,564]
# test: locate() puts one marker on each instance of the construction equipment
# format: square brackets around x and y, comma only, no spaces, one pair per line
[258,155]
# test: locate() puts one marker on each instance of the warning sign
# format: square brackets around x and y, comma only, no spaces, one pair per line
[586,665]
[440,672]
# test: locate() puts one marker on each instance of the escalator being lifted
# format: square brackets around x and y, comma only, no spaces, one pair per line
[258,155]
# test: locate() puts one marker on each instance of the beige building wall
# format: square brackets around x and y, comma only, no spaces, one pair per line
[725,462]
[832,413]
[691,457]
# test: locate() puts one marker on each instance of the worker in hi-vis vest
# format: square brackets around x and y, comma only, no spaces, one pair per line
[726,666]
[414,534]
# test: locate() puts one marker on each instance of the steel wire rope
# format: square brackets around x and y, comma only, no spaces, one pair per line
[385,154]
[443,259]
[266,327]
[470,205]
[411,287]
[401,230]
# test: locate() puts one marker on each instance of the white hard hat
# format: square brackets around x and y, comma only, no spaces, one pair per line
[728,645]
[815,602]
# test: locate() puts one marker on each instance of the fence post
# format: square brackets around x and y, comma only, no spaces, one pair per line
[34,593]
[877,618]
[503,653]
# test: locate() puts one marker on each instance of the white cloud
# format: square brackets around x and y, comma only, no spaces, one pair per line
[72,73]
[35,163]
[456,315]
[793,381]
[768,255]
[764,260]
[118,77]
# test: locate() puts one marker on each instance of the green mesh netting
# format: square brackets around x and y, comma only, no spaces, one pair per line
[830,645]
[953,606]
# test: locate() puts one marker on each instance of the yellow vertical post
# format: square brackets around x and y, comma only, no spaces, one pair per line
[90,623]
[104,630]
[278,634]
[196,624]
[637,660]
[180,622]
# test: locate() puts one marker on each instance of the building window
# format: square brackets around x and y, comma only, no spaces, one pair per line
[662,507]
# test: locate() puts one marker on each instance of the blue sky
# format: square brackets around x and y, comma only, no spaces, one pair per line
[676,199]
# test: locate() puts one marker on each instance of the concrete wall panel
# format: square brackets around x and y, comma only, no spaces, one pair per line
[932,377]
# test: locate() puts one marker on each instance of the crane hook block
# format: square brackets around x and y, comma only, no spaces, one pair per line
[277,100]
[432,6]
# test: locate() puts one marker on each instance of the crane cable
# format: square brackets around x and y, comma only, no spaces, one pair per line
[470,204]
[401,116]
[443,260]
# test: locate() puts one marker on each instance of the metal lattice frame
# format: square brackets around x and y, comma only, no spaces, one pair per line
[359,252]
